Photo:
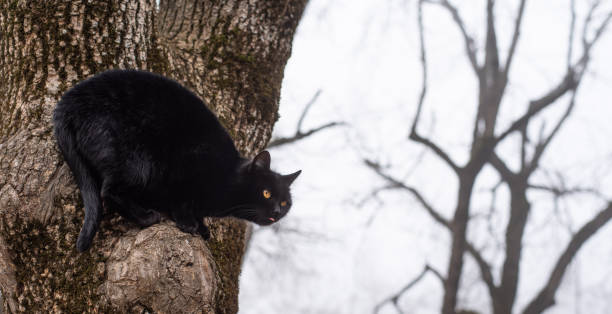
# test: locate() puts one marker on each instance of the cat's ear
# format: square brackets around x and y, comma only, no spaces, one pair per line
[261,161]
[291,177]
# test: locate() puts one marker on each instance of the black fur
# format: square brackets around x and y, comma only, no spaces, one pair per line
[143,145]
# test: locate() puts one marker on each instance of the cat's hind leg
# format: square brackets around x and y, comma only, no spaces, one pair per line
[126,206]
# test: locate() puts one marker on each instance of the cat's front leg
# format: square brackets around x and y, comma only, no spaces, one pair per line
[188,223]
[185,220]
[203,230]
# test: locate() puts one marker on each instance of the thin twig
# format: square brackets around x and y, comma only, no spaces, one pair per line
[413,130]
[306,108]
[299,134]
[515,38]
[467,39]
[393,299]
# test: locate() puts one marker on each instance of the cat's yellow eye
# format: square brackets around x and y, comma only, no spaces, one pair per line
[267,194]
[283,203]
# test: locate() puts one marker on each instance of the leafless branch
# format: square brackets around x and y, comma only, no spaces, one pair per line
[535,106]
[413,131]
[306,108]
[563,191]
[515,37]
[374,194]
[546,296]
[491,52]
[299,134]
[485,269]
[470,50]
[581,65]
[398,184]
[588,20]
[541,146]
[492,208]
[572,78]
[505,173]
[393,299]
[572,32]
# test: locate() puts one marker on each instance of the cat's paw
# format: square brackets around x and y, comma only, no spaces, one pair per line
[204,232]
[192,229]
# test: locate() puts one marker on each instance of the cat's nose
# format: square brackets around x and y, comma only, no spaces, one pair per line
[277,210]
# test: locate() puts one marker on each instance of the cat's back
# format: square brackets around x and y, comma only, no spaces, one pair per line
[132,108]
[137,101]
[131,91]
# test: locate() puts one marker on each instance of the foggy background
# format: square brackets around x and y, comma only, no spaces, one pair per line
[346,245]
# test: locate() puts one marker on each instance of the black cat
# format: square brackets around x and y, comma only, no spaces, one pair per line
[143,145]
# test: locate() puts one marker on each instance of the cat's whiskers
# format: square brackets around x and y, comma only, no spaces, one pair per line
[238,208]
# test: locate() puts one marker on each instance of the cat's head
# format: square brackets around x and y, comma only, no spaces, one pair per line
[265,194]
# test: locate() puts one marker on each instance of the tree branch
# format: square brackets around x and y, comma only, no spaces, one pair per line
[563,191]
[581,65]
[413,131]
[299,134]
[546,296]
[541,146]
[485,269]
[395,297]
[491,51]
[515,38]
[314,99]
[572,32]
[468,41]
[572,78]
[398,184]
[504,172]
[535,106]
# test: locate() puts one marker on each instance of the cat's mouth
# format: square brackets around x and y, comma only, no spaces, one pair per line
[267,221]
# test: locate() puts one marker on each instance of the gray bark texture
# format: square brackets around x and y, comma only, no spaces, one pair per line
[230,53]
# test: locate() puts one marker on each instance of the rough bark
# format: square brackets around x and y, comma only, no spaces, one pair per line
[231,53]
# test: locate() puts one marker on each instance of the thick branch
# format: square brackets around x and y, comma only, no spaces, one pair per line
[484,267]
[491,52]
[505,173]
[546,296]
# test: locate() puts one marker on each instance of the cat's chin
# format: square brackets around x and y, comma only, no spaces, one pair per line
[265,221]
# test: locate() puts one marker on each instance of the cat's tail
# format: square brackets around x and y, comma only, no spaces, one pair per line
[85,179]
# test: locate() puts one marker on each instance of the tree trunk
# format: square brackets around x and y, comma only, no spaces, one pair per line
[230,53]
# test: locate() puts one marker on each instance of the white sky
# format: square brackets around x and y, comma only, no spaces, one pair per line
[363,55]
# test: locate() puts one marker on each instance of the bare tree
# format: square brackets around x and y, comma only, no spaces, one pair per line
[492,75]
[230,53]
[299,132]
